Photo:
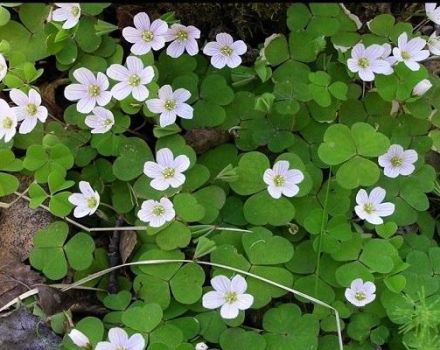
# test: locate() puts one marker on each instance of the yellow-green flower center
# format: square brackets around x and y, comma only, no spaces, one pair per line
[363,62]
[1,67]
[360,296]
[170,105]
[134,80]
[226,50]
[168,172]
[405,55]
[279,180]
[31,109]
[158,210]
[181,35]
[369,208]
[396,161]
[121,348]
[230,297]
[108,122]
[7,123]
[91,202]
[94,90]
[75,11]
[147,36]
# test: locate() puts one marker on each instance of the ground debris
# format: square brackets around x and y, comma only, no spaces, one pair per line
[20,330]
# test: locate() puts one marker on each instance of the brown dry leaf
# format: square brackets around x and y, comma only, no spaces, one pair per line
[48,94]
[18,224]
[201,140]
[15,277]
[126,244]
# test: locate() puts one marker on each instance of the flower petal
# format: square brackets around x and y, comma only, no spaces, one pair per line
[377,195]
[238,284]
[221,283]
[229,311]
[212,300]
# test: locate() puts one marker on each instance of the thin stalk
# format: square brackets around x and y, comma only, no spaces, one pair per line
[321,232]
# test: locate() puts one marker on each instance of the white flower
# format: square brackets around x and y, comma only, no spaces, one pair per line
[371,208]
[167,171]
[68,12]
[101,121]
[145,36]
[86,202]
[352,16]
[434,44]
[367,61]
[8,121]
[432,12]
[281,180]
[397,161]
[228,295]
[29,109]
[225,51]
[410,52]
[183,39]
[132,79]
[201,346]
[387,49]
[3,67]
[360,293]
[90,91]
[119,340]
[79,338]
[170,105]
[157,213]
[421,87]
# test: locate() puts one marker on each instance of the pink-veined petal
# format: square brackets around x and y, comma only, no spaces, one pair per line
[117,72]
[141,21]
[238,284]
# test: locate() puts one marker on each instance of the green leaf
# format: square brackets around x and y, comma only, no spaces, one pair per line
[47,254]
[79,251]
[277,51]
[176,235]
[118,301]
[212,198]
[239,339]
[5,16]
[262,209]
[251,167]
[164,271]
[8,184]
[378,255]
[142,318]
[357,172]
[37,195]
[369,142]
[339,90]
[298,15]
[86,36]
[133,153]
[33,16]
[187,207]
[262,248]
[186,285]
[59,204]
[382,25]
[215,89]
[338,145]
